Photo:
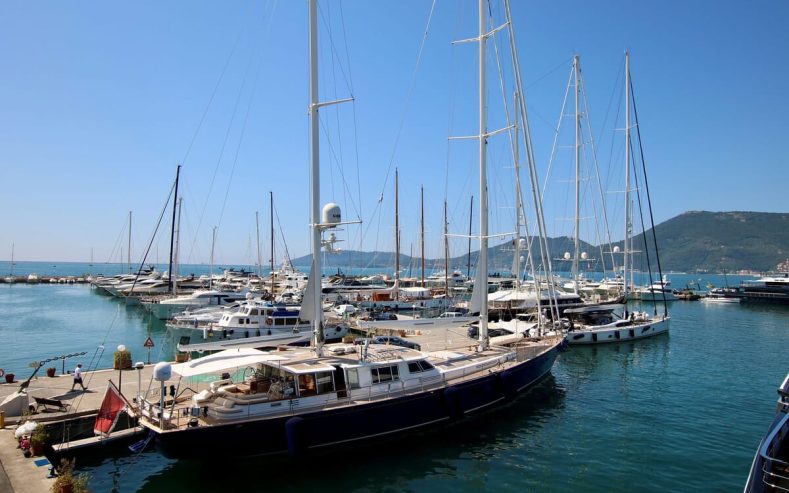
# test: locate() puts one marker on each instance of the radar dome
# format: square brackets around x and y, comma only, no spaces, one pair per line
[162,371]
[584,255]
[331,214]
[566,255]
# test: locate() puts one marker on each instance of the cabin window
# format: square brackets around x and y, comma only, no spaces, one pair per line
[385,374]
[254,311]
[240,321]
[353,378]
[307,384]
[419,366]
[325,382]
[279,321]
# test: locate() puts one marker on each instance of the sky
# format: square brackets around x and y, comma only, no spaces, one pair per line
[99,102]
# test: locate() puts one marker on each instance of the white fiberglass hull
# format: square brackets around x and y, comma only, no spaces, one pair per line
[608,334]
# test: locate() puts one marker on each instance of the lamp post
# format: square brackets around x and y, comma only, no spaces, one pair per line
[139,366]
[121,349]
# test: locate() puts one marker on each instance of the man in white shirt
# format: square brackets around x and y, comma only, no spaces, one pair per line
[78,378]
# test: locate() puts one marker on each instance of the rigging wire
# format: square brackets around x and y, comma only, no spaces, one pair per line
[355,120]
[213,94]
[240,137]
[649,200]
[227,132]
[409,94]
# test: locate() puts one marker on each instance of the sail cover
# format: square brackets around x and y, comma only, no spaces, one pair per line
[480,293]
[307,312]
[110,411]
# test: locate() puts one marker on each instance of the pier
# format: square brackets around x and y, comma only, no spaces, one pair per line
[22,474]
[45,280]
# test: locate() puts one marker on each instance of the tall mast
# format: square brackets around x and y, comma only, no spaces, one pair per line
[211,272]
[271,224]
[422,234]
[172,229]
[128,250]
[446,251]
[627,174]
[315,218]
[518,206]
[174,275]
[470,220]
[576,70]
[397,239]
[483,187]
[257,232]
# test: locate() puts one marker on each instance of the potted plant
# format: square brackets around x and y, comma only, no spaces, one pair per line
[67,481]
[51,371]
[9,378]
[38,440]
[122,359]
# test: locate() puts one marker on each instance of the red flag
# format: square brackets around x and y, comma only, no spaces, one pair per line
[110,410]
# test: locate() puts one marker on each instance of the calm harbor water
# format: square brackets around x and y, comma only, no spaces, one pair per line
[682,412]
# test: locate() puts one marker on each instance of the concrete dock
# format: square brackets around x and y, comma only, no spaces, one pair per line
[22,474]
[78,403]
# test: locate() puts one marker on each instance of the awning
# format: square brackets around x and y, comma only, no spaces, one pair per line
[307,367]
[225,360]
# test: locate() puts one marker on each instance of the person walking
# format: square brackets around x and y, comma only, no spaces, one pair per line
[78,378]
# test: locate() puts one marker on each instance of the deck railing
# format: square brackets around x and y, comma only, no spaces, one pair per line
[775,472]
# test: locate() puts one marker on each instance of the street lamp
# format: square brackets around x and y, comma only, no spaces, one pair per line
[139,366]
[121,349]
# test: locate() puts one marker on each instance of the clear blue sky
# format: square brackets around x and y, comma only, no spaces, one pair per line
[99,101]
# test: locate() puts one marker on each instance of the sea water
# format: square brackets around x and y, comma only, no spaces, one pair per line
[677,412]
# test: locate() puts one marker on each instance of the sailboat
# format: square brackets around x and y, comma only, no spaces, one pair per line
[298,399]
[595,324]
[10,279]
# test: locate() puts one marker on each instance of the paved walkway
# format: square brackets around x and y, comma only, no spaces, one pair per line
[18,473]
[79,402]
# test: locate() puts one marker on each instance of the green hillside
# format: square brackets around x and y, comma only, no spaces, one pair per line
[692,241]
[713,241]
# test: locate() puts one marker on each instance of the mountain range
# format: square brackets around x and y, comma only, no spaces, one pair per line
[694,241]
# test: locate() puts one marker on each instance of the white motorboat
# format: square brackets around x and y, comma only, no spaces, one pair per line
[165,308]
[597,324]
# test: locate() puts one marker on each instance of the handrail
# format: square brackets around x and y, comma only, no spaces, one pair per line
[781,479]
[764,449]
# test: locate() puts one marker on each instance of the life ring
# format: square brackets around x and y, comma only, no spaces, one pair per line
[2,372]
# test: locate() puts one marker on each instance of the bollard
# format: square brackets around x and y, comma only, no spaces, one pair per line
[2,420]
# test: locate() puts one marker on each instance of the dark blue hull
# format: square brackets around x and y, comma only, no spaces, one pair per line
[295,434]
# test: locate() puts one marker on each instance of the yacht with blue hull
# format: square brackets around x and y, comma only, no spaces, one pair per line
[770,468]
[293,400]
[289,401]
